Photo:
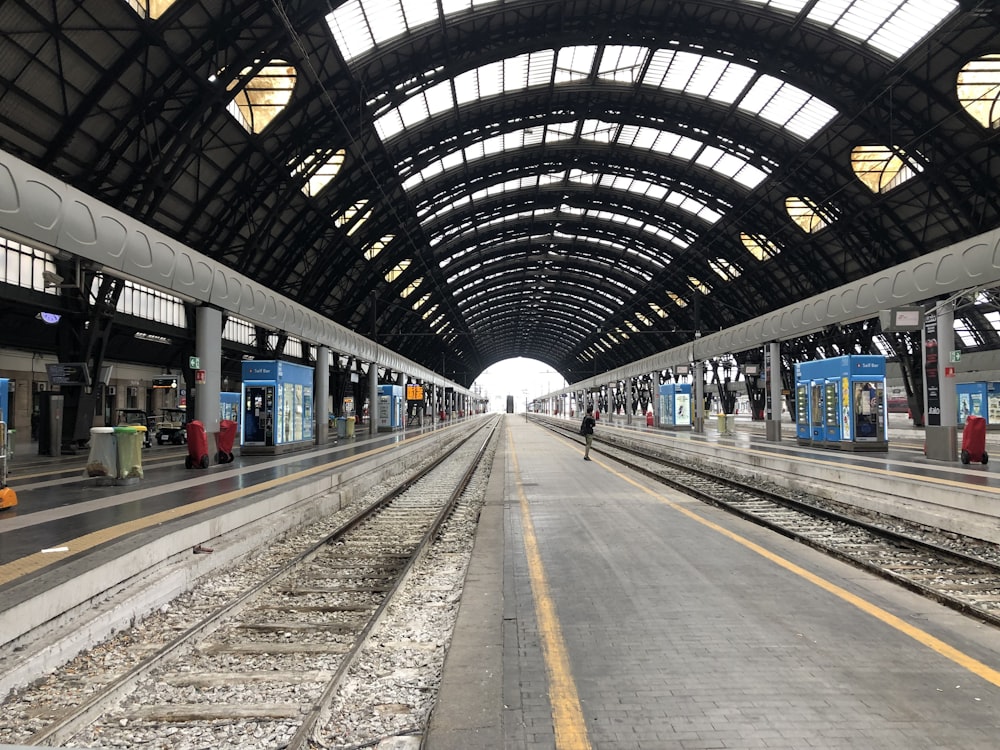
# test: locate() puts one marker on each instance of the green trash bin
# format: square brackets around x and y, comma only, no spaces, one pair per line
[129,439]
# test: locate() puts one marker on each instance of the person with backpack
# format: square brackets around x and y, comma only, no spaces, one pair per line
[587,430]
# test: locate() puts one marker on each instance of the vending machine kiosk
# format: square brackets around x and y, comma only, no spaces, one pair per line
[5,401]
[277,404]
[390,408]
[675,406]
[842,400]
[981,399]
[229,406]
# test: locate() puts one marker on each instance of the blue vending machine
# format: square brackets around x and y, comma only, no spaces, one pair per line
[979,398]
[840,403]
[277,401]
[229,406]
[675,406]
[390,408]
[5,401]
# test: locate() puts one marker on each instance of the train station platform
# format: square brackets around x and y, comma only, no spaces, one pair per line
[603,611]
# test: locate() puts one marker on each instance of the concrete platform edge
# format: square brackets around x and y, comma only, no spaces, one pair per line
[467,714]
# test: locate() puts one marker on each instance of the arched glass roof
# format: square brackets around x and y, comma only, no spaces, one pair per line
[892,27]
[719,81]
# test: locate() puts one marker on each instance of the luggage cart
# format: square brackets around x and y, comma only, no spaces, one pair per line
[8,498]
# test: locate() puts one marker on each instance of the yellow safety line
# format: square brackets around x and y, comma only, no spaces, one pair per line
[951,653]
[567,715]
[31,563]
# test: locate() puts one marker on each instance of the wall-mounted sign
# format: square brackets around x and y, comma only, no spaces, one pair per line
[414,392]
[68,373]
[169,381]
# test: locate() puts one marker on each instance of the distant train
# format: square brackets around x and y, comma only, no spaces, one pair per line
[510,404]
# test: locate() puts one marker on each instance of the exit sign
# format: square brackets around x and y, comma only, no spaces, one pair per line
[194,363]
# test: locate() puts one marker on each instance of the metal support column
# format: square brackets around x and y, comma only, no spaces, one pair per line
[321,391]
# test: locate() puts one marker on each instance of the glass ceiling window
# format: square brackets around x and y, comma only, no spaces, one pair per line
[759,247]
[321,167]
[729,165]
[807,214]
[466,234]
[150,8]
[260,97]
[717,80]
[398,270]
[979,90]
[660,312]
[699,286]
[378,246]
[893,27]
[348,216]
[880,168]
[724,269]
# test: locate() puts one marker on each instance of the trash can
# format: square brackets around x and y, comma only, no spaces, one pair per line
[103,460]
[974,440]
[224,440]
[197,438]
[341,427]
[349,425]
[724,423]
[130,439]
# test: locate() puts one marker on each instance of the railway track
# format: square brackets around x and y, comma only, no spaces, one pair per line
[960,573]
[264,663]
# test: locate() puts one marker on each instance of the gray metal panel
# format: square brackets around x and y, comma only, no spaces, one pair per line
[46,212]
[974,262]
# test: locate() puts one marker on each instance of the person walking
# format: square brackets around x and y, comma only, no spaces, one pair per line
[587,430]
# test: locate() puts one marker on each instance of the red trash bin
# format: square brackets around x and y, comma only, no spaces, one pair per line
[974,440]
[197,438]
[224,440]
[649,419]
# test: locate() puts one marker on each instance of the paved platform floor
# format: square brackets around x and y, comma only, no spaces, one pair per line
[603,612]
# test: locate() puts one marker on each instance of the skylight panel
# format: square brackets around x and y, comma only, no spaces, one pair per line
[806,214]
[680,68]
[893,27]
[978,88]
[598,130]
[351,30]
[414,110]
[760,248]
[378,246]
[396,271]
[700,286]
[660,312]
[962,328]
[574,64]
[724,268]
[440,98]
[515,73]
[389,124]
[787,106]
[322,168]
[411,288]
[622,64]
[706,76]
[350,213]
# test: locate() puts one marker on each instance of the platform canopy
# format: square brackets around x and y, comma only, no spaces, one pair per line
[583,182]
